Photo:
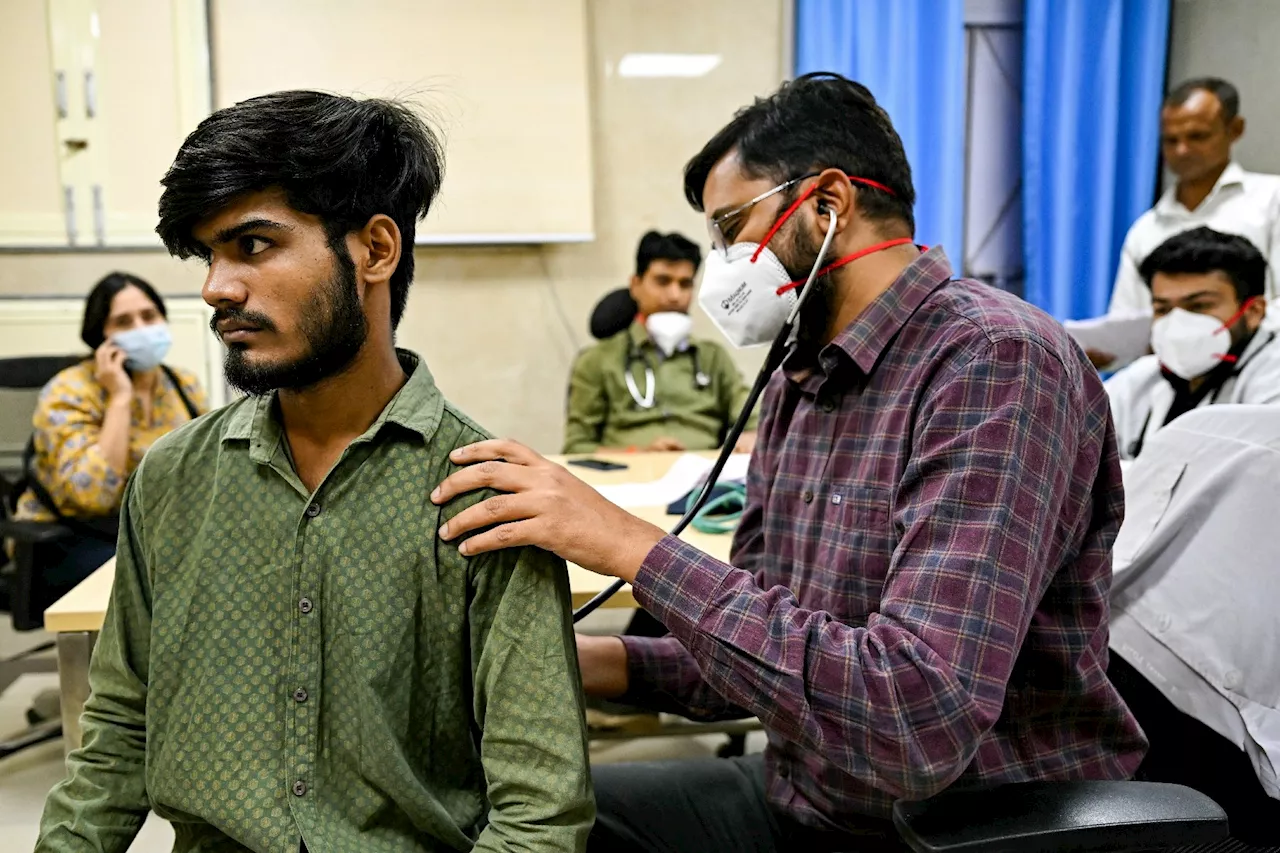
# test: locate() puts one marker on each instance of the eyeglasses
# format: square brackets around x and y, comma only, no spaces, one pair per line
[716,225]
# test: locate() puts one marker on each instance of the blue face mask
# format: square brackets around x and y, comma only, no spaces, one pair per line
[144,347]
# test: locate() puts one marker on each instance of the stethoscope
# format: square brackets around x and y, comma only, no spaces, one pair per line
[784,343]
[700,379]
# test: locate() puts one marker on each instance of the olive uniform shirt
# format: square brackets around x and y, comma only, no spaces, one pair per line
[603,412]
[278,666]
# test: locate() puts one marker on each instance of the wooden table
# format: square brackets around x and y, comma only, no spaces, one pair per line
[76,618]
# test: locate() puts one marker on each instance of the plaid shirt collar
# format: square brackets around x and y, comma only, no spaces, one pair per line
[864,341]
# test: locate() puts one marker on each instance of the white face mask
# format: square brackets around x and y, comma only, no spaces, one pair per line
[749,295]
[1190,345]
[742,298]
[669,330]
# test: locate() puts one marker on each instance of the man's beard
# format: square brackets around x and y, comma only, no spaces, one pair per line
[1240,336]
[332,323]
[798,253]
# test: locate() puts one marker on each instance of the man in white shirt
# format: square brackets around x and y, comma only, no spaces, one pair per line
[1207,291]
[1199,123]
[1195,640]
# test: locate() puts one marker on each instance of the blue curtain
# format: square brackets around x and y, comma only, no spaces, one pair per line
[910,54]
[1092,85]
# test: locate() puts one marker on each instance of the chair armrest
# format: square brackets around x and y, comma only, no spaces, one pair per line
[1030,817]
[33,532]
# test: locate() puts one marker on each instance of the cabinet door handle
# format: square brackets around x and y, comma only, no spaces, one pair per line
[90,95]
[69,204]
[60,92]
[99,216]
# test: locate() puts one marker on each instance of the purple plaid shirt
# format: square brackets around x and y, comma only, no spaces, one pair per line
[923,566]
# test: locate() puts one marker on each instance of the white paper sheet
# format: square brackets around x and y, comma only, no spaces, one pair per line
[685,474]
[1126,336]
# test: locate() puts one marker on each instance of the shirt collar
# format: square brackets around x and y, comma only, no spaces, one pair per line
[638,334]
[1233,175]
[865,339]
[417,407]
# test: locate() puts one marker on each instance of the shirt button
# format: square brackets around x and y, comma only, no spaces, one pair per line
[299,788]
[306,606]
[807,497]
[313,510]
[828,406]
[300,695]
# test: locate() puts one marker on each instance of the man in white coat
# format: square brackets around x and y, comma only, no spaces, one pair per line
[1208,299]
[1200,122]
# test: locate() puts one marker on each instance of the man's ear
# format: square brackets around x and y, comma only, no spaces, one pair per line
[379,249]
[634,287]
[1256,312]
[835,196]
[1235,129]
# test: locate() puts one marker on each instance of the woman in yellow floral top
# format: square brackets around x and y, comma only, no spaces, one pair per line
[96,419]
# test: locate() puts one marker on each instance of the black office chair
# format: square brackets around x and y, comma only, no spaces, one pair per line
[23,592]
[613,313]
[1036,817]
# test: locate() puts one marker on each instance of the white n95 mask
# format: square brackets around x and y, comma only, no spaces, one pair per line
[669,330]
[748,293]
[743,294]
[1190,345]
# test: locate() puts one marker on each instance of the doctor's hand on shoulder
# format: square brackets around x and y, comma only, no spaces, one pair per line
[544,506]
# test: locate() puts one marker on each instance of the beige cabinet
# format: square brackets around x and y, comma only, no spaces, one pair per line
[97,96]
[31,203]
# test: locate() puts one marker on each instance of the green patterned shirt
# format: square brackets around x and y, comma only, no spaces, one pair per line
[278,666]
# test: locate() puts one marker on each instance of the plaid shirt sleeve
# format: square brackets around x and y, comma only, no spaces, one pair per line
[661,673]
[902,703]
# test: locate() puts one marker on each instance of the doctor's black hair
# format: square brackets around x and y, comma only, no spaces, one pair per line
[97,305]
[666,247]
[817,121]
[1203,250]
[341,159]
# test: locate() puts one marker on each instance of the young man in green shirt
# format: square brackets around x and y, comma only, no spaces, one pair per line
[652,386]
[292,659]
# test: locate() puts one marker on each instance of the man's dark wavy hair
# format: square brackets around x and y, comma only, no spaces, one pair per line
[338,158]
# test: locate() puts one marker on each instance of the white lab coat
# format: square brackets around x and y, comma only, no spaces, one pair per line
[1197,592]
[1141,396]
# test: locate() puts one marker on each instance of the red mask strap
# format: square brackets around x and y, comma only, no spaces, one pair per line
[786,214]
[1235,318]
[848,259]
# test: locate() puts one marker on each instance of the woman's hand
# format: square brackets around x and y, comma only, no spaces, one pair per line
[110,372]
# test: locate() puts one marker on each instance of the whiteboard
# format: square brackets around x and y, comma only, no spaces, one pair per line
[506,81]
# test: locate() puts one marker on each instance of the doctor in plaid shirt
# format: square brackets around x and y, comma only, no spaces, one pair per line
[918,592]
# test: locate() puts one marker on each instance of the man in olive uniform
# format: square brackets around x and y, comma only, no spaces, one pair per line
[652,386]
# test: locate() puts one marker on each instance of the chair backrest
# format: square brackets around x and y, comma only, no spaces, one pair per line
[613,313]
[20,382]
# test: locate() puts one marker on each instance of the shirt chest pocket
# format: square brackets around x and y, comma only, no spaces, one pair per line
[846,545]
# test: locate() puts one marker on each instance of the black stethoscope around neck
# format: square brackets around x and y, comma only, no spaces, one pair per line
[646,401]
